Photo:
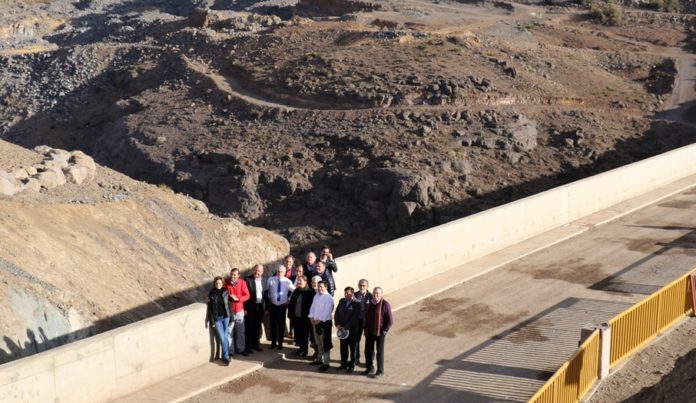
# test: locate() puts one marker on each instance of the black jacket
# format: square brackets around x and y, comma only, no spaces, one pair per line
[328,279]
[307,298]
[214,298]
[348,316]
[251,284]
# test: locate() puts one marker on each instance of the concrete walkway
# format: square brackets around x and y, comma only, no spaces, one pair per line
[493,329]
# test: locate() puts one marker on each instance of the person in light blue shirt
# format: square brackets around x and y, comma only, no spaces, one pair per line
[279,289]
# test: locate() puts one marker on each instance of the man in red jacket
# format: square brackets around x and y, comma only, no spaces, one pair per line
[239,293]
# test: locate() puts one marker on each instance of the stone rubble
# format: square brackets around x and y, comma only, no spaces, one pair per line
[57,168]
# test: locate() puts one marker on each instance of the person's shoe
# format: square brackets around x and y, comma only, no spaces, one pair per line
[343,366]
[245,353]
[273,345]
[226,362]
[315,355]
[298,353]
[367,371]
[378,374]
[257,348]
[324,368]
[350,369]
[315,362]
[280,346]
[303,354]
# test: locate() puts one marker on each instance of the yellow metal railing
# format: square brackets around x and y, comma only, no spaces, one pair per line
[630,330]
[638,325]
[575,377]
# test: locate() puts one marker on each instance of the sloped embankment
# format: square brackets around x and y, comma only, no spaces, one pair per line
[81,259]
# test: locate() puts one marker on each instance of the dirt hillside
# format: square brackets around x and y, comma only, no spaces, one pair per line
[346,122]
[80,259]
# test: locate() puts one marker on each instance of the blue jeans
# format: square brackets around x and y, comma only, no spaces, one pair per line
[236,333]
[221,325]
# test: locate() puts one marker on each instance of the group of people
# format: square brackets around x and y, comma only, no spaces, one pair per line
[304,294]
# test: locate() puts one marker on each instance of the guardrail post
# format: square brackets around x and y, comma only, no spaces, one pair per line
[605,350]
[692,277]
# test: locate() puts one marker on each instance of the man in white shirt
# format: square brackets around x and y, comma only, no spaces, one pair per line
[320,316]
[279,289]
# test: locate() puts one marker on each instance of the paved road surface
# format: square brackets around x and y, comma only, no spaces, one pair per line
[499,336]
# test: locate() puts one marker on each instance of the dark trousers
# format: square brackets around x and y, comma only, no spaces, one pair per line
[252,331]
[357,342]
[277,313]
[349,348]
[370,342]
[302,333]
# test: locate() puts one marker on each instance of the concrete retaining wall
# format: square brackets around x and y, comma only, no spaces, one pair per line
[111,364]
[398,263]
[126,359]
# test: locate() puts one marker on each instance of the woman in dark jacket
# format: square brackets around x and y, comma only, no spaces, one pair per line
[218,315]
[298,311]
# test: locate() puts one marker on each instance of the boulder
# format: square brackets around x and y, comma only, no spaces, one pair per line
[7,188]
[51,178]
[31,185]
[391,194]
[81,159]
[522,133]
[43,150]
[199,18]
[20,174]
[76,174]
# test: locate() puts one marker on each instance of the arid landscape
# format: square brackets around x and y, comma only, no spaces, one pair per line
[344,122]
[327,122]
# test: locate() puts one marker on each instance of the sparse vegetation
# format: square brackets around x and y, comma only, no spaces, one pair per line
[606,11]
[670,6]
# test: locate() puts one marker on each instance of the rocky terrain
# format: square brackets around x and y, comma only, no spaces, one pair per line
[81,258]
[344,122]
[341,122]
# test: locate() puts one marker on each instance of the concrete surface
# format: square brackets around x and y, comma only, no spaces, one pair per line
[113,363]
[498,336]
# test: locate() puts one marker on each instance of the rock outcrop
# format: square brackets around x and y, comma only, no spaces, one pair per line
[57,168]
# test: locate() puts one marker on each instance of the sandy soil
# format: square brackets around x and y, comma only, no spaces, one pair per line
[665,371]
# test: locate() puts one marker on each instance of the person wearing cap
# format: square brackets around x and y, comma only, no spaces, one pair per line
[320,316]
[378,321]
[279,289]
[347,317]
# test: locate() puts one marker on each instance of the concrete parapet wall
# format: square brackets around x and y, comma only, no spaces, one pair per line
[129,358]
[111,364]
[400,262]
